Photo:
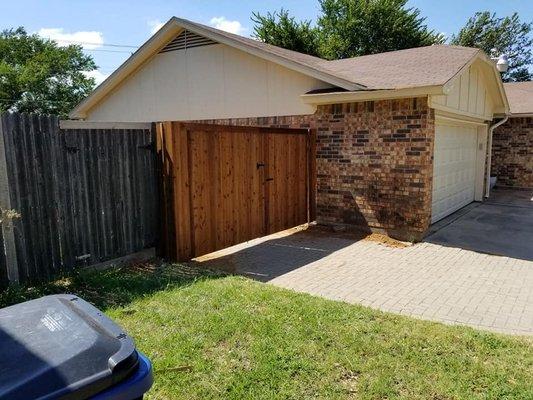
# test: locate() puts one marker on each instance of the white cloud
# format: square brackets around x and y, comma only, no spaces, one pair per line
[98,76]
[155,25]
[87,39]
[226,25]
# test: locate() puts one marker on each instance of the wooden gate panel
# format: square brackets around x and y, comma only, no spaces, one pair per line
[216,182]
[287,180]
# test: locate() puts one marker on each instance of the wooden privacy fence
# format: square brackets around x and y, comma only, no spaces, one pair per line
[84,194]
[223,185]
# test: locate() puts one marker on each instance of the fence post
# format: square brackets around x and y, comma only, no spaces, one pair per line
[5,204]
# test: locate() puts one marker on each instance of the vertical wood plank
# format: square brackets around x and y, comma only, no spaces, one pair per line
[9,270]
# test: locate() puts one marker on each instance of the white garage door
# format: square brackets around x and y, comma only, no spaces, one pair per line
[454,169]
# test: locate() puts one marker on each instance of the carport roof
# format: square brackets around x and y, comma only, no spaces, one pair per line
[520,95]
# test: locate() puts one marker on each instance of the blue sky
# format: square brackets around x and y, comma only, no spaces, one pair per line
[132,22]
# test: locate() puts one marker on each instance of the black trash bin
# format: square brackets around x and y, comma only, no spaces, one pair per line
[61,347]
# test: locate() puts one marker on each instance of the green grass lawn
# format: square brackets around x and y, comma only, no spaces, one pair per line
[215,336]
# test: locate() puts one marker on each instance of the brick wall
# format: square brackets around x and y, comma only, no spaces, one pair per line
[512,153]
[374,163]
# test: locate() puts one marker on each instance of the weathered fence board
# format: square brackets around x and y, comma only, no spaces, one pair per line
[223,185]
[3,265]
[84,195]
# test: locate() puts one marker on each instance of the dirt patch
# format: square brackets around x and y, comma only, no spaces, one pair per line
[349,381]
[387,241]
[356,236]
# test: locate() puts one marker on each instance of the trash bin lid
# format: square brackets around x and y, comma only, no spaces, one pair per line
[61,347]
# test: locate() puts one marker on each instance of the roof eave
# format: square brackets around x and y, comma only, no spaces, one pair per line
[369,95]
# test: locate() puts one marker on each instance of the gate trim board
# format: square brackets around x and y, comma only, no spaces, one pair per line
[221,222]
[239,128]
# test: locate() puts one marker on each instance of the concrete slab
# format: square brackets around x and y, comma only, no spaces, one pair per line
[509,197]
[501,226]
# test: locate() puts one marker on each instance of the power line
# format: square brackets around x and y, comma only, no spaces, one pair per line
[91,43]
[110,51]
[95,44]
[37,100]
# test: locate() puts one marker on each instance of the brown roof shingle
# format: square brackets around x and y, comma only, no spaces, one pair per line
[520,96]
[422,66]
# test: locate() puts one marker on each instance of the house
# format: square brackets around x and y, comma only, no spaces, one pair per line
[401,136]
[512,145]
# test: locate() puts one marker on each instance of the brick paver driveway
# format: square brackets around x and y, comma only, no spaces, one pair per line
[427,280]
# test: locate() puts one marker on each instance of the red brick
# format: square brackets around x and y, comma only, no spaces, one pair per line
[512,153]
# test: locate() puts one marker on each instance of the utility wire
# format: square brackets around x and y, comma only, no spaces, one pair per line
[110,51]
[37,100]
[92,43]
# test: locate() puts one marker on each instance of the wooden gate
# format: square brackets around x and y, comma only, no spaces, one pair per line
[223,185]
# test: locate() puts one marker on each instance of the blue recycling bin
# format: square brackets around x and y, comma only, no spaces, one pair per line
[61,347]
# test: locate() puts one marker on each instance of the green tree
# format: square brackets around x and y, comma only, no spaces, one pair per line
[348,28]
[497,36]
[38,76]
[282,30]
[351,28]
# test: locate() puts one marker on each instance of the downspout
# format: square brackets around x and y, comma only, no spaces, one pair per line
[489,158]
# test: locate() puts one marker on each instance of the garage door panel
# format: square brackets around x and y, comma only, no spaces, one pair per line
[454,169]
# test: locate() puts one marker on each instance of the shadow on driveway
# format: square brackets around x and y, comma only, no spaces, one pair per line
[266,258]
[503,225]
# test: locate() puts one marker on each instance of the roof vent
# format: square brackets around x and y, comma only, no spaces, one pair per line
[187,40]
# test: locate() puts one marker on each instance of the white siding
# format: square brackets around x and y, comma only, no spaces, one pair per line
[207,82]
[468,96]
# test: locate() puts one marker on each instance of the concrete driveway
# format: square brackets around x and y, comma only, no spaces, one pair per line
[503,225]
[438,279]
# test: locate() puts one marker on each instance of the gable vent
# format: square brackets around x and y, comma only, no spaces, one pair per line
[186,40]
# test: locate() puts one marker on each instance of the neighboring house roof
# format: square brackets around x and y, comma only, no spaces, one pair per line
[520,95]
[431,66]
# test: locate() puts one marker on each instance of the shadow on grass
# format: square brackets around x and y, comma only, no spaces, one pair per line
[112,287]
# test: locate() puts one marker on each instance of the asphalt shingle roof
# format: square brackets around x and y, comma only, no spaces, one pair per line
[422,66]
[520,96]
